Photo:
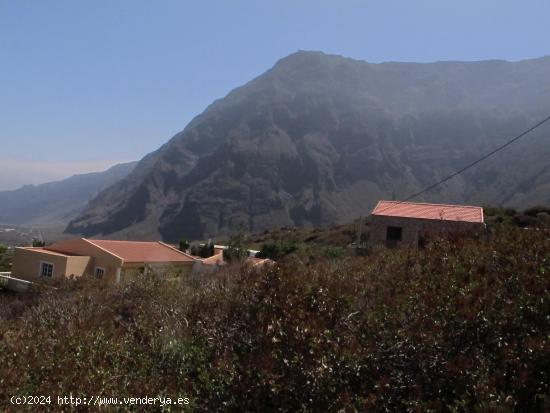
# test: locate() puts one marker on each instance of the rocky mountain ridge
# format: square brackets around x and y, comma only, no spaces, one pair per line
[318,139]
[56,203]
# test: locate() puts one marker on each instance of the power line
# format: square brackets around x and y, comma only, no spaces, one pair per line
[511,141]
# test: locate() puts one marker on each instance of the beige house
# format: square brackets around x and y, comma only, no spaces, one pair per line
[410,223]
[111,260]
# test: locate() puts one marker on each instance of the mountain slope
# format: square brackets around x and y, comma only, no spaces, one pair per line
[317,139]
[57,202]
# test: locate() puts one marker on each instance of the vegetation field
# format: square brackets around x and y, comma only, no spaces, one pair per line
[461,326]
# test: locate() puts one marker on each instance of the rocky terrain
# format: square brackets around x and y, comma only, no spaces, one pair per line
[318,139]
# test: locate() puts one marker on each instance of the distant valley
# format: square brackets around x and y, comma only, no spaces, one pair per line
[54,204]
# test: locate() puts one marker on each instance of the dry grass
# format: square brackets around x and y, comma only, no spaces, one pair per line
[461,326]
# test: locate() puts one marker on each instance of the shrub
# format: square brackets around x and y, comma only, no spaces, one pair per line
[206,250]
[460,326]
[493,211]
[38,243]
[334,252]
[277,250]
[525,221]
[6,258]
[234,254]
[534,211]
[184,245]
[236,249]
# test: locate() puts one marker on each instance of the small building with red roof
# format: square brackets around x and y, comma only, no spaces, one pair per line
[411,223]
[108,259]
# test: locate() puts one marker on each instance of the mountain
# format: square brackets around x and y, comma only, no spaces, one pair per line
[318,139]
[55,203]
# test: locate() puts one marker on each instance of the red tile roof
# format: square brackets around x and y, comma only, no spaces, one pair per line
[443,212]
[136,251]
[46,251]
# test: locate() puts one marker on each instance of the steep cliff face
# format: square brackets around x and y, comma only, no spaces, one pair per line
[318,139]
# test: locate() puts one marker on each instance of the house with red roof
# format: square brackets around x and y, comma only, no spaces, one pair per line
[107,259]
[411,223]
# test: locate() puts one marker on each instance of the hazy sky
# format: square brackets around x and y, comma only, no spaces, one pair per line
[88,83]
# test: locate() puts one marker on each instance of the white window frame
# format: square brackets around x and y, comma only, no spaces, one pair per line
[40,272]
[101,269]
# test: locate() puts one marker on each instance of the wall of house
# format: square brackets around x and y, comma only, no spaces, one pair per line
[413,228]
[103,259]
[27,264]
[79,265]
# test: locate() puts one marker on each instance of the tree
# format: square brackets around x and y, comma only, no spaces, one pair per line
[183,245]
[38,243]
[3,249]
[236,249]
[206,250]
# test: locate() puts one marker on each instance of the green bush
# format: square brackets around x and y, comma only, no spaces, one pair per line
[495,211]
[277,250]
[184,245]
[525,221]
[334,252]
[535,217]
[206,250]
[38,243]
[460,326]
[534,211]
[6,258]
[236,248]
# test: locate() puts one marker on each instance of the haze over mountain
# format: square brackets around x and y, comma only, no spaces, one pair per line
[56,203]
[318,139]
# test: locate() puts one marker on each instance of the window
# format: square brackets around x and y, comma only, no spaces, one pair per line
[394,233]
[99,272]
[46,269]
